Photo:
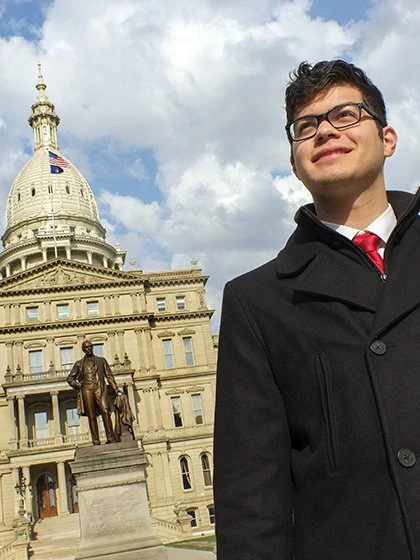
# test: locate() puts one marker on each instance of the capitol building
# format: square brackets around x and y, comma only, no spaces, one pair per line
[63,283]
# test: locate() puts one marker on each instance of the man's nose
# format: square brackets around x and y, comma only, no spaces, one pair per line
[325,128]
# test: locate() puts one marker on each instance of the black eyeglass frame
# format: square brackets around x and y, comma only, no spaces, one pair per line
[325,117]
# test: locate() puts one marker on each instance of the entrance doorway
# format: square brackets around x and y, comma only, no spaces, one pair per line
[46,496]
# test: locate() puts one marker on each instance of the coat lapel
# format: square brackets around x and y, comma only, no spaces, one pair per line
[402,289]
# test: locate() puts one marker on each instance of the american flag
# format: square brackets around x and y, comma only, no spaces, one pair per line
[58,160]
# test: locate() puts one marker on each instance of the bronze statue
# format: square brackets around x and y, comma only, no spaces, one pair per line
[90,376]
[124,418]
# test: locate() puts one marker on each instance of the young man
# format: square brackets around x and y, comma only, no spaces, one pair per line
[317,440]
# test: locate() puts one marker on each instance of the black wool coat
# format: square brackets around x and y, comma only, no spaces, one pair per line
[317,435]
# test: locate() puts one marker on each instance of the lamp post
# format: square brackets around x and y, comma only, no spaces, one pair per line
[22,525]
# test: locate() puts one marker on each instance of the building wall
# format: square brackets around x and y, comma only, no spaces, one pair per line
[123,312]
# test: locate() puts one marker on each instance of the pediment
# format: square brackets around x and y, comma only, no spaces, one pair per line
[59,274]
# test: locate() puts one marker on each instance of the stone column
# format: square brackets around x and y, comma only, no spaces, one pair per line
[121,346]
[140,350]
[13,426]
[104,261]
[16,313]
[7,312]
[7,270]
[58,436]
[44,255]
[77,306]
[111,338]
[63,501]
[89,256]
[23,428]
[134,302]
[23,263]
[68,253]
[10,361]
[156,401]
[148,337]
[143,301]
[107,301]
[19,353]
[148,404]
[47,307]
[117,304]
[51,357]
[1,501]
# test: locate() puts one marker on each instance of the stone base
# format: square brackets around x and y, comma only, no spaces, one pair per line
[114,513]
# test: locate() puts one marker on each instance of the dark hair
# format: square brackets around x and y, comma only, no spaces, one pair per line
[307,81]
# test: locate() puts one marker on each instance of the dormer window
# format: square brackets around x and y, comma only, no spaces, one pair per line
[50,189]
[33,191]
[67,189]
[18,196]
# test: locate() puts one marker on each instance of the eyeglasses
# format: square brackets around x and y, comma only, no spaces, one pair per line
[341,116]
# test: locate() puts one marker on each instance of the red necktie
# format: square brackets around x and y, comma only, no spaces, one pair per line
[369,242]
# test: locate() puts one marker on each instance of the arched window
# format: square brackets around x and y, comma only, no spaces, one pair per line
[67,189]
[33,191]
[82,192]
[205,465]
[192,512]
[50,189]
[185,473]
[18,196]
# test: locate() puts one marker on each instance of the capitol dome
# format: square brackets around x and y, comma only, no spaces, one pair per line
[51,209]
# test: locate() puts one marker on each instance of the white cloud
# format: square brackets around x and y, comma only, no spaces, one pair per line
[202,85]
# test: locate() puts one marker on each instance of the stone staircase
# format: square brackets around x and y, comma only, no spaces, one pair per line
[56,538]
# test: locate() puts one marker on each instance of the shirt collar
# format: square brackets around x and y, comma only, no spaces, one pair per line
[382,226]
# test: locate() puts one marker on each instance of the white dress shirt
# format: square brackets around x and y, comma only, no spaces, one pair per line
[382,226]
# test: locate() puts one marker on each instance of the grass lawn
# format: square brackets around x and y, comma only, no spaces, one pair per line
[201,543]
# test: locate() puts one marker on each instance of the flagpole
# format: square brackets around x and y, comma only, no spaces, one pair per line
[53,221]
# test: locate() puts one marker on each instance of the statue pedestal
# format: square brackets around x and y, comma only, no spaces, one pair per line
[114,514]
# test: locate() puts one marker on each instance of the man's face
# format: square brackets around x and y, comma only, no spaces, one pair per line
[87,348]
[350,159]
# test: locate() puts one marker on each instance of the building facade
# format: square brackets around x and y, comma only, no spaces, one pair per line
[63,283]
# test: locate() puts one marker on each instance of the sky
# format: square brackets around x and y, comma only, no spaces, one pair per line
[174,112]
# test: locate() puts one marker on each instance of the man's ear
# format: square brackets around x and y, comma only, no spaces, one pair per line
[390,140]
[292,163]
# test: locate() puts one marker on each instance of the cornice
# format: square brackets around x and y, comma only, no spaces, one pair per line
[76,323]
[121,277]
[169,317]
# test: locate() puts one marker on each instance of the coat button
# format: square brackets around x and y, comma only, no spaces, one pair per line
[378,347]
[406,457]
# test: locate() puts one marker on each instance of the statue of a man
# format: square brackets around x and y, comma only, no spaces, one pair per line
[90,376]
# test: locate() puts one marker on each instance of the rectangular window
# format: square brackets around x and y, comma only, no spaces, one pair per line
[210,509]
[167,352]
[67,358]
[73,421]
[35,361]
[63,310]
[32,314]
[188,351]
[98,350]
[197,409]
[92,308]
[41,425]
[176,411]
[161,303]
[180,302]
